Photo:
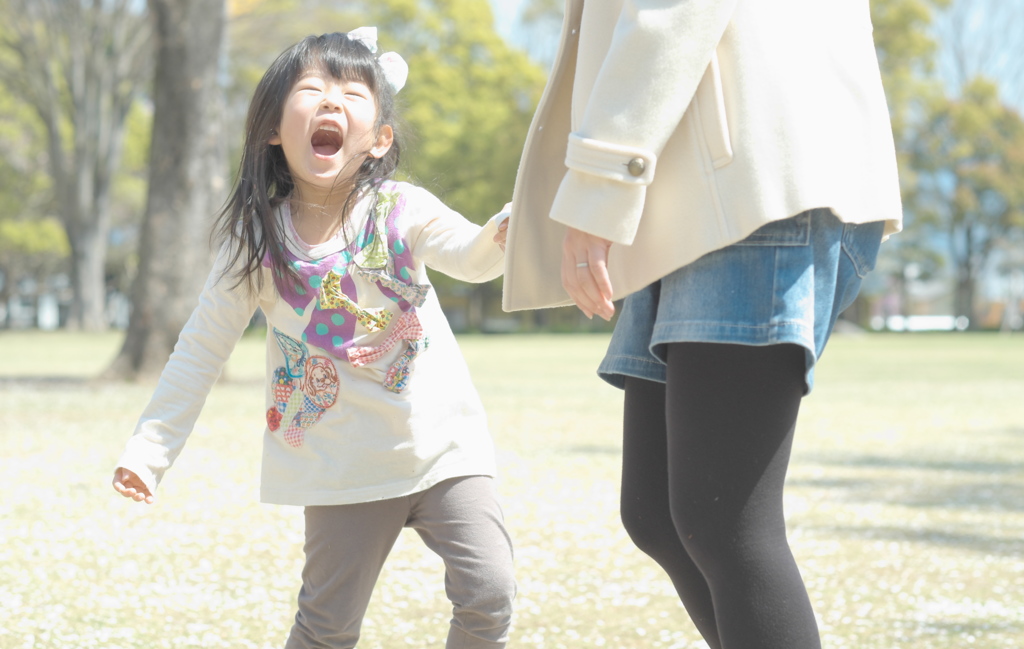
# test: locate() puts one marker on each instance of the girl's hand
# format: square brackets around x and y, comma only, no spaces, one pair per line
[129,485]
[502,235]
[585,273]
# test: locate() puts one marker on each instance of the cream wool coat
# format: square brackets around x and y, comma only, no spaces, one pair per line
[674,128]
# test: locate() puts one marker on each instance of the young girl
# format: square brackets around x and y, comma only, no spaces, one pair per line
[372,421]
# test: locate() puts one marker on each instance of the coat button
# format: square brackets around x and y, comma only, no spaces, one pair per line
[636,167]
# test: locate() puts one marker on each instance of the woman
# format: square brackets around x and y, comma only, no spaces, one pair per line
[727,167]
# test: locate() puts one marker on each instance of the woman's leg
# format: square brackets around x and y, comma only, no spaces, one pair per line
[730,415]
[644,506]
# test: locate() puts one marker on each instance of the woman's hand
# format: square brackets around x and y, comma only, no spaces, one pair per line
[585,273]
[131,486]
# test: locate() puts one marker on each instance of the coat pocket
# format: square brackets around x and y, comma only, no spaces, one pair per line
[710,102]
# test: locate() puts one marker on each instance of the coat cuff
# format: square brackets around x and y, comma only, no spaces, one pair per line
[605,208]
[624,164]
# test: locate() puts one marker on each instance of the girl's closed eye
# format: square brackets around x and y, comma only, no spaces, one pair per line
[356,90]
[311,84]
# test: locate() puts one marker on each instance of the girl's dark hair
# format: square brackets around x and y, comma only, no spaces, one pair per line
[248,220]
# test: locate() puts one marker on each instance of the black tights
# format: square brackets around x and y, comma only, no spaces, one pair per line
[704,461]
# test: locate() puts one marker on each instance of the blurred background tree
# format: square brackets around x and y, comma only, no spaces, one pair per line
[77,120]
[943,64]
[907,50]
[969,159]
[971,150]
[79,67]
[540,27]
[33,246]
[187,181]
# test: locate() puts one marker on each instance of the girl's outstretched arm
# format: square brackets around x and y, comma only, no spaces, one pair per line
[131,486]
[204,345]
[447,242]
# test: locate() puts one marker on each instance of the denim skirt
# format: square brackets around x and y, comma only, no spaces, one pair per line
[785,283]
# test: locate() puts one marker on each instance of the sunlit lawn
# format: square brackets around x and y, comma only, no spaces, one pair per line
[905,504]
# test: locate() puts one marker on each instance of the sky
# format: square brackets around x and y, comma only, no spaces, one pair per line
[505,14]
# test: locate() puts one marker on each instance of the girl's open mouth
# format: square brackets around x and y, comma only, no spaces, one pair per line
[326,141]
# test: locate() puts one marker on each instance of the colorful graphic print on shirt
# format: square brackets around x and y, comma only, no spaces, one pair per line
[304,387]
[326,290]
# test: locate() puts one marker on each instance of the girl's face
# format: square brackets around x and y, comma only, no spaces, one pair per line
[327,129]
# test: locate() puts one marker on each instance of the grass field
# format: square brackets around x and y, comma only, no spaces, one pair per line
[905,505]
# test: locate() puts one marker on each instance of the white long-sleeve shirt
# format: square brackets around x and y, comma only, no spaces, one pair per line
[367,395]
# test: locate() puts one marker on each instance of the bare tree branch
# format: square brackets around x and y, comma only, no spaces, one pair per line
[983,38]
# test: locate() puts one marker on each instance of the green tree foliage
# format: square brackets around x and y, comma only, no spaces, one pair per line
[24,185]
[32,244]
[29,248]
[906,47]
[906,54]
[468,102]
[128,198]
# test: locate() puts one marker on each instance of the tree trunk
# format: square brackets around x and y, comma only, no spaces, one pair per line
[968,265]
[6,278]
[186,182]
[963,299]
[88,251]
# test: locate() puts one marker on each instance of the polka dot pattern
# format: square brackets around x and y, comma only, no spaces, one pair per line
[329,327]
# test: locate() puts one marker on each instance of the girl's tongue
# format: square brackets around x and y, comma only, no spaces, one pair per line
[326,141]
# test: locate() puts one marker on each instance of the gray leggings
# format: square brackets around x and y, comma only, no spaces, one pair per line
[346,546]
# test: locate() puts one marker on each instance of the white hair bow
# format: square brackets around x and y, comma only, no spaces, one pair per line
[396,70]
